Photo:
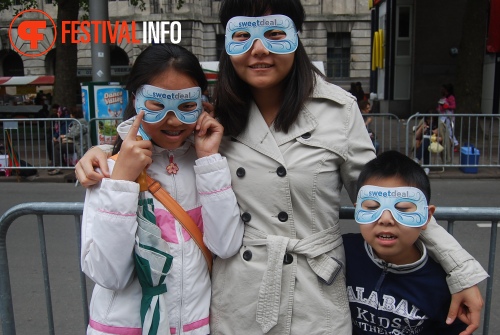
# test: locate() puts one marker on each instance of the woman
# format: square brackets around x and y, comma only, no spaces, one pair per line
[293,140]
[427,127]
[447,106]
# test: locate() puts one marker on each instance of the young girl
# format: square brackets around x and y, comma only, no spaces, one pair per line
[165,85]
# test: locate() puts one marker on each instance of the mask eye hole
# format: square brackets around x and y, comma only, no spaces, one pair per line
[154,105]
[370,205]
[275,34]
[405,206]
[188,106]
[241,36]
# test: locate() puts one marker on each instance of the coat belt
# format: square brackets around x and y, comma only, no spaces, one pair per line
[313,247]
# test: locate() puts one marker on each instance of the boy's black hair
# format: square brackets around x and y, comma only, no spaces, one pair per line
[394,164]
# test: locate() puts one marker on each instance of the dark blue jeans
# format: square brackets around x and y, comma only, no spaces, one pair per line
[423,151]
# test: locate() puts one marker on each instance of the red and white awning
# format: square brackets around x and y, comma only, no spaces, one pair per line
[211,70]
[26,80]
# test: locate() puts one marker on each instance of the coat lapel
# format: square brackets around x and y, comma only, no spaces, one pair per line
[258,136]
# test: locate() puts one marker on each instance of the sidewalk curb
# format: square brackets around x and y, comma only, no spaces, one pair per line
[66,176]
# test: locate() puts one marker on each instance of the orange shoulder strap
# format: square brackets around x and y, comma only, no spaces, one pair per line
[179,213]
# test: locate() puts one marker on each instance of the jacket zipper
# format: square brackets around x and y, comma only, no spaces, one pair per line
[181,244]
[379,283]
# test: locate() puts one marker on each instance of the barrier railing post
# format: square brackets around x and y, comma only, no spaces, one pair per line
[489,282]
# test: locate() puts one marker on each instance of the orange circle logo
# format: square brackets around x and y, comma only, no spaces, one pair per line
[29,31]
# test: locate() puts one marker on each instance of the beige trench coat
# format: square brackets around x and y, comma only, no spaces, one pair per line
[287,277]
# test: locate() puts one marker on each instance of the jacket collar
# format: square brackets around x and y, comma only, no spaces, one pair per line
[399,269]
[325,90]
[264,139]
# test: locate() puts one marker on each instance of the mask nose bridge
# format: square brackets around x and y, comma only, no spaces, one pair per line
[254,39]
[390,210]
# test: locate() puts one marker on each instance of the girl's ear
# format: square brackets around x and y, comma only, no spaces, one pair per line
[431,209]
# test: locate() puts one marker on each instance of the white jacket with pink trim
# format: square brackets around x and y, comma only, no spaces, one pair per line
[108,237]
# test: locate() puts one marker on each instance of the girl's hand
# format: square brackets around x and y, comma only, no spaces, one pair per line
[207,135]
[134,155]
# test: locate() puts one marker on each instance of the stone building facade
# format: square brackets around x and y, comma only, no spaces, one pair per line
[336,32]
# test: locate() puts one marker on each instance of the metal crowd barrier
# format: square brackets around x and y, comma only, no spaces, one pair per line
[477,134]
[386,128]
[32,142]
[449,214]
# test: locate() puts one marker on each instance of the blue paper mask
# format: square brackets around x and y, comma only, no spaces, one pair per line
[276,32]
[387,198]
[157,102]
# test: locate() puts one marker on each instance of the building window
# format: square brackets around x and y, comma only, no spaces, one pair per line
[49,2]
[338,53]
[155,6]
[220,41]
[403,38]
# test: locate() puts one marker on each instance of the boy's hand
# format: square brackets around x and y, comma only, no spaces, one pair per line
[207,135]
[134,155]
[467,306]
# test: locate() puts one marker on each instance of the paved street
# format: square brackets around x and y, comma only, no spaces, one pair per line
[26,273]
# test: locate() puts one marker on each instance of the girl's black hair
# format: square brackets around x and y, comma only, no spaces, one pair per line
[394,164]
[153,62]
[233,96]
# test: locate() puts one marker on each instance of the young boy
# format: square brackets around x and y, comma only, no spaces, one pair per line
[392,285]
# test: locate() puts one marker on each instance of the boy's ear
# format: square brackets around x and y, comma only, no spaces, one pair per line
[431,209]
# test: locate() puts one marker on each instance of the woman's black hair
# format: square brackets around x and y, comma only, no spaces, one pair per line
[153,62]
[233,96]
[449,89]
[395,164]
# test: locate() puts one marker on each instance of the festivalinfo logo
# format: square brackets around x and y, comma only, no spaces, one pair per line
[32,33]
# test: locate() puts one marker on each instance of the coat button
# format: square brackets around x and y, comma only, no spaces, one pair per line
[247,255]
[306,136]
[246,217]
[240,172]
[287,259]
[281,171]
[282,216]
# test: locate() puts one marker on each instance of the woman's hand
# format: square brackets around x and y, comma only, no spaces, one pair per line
[467,306]
[85,168]
[207,136]
[135,155]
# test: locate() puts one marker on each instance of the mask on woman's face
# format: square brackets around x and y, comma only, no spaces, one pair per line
[276,32]
[156,102]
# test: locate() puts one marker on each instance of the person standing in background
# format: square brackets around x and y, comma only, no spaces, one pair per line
[447,105]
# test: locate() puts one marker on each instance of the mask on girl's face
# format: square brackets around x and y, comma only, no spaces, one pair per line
[276,32]
[157,102]
[373,201]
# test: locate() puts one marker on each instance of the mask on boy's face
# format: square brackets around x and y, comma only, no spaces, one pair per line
[276,32]
[407,205]
[156,102]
